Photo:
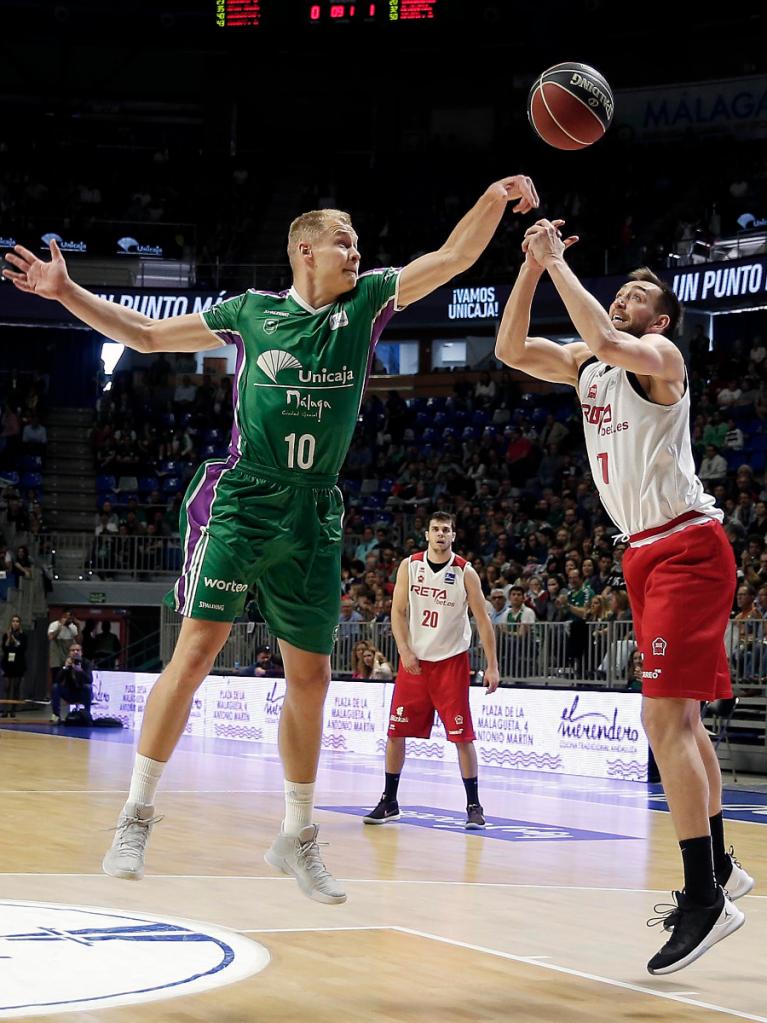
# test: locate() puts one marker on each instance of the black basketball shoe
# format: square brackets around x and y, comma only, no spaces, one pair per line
[696,929]
[387,810]
[475,817]
[733,878]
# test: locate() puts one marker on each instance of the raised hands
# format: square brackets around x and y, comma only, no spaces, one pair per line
[36,276]
[544,241]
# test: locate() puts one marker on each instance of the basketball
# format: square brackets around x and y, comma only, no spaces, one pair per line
[570,106]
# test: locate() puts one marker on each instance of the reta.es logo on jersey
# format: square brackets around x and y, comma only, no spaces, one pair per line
[225,584]
[597,415]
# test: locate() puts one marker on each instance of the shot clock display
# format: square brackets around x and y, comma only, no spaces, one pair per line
[371,10]
[278,14]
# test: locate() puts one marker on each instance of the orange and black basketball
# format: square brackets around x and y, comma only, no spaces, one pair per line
[570,106]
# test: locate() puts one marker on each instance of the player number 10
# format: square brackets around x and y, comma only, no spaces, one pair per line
[301,451]
[602,459]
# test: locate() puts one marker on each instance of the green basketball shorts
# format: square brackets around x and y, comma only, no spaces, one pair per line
[245,526]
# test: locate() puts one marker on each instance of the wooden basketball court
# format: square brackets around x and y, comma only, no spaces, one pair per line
[440,925]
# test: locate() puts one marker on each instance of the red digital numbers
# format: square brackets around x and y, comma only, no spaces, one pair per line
[315,12]
[338,10]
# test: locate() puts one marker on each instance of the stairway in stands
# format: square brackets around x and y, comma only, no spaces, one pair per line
[69,478]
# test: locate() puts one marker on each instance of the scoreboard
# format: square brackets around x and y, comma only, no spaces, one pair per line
[257,13]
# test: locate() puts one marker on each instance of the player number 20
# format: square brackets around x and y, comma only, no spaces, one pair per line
[300,451]
[430,619]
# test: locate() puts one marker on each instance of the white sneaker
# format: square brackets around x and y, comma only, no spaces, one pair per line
[738,882]
[299,856]
[125,858]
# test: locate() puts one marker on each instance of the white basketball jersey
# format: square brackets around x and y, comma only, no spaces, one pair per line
[439,608]
[639,452]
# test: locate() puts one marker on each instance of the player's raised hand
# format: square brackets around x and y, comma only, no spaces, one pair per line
[544,241]
[520,187]
[36,276]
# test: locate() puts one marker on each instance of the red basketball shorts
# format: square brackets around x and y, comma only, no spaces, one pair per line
[442,686]
[681,590]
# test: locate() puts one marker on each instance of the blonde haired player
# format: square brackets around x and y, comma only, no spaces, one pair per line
[269,514]
[679,569]
[430,620]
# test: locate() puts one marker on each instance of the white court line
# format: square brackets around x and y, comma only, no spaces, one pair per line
[309,930]
[123,791]
[367,880]
[626,985]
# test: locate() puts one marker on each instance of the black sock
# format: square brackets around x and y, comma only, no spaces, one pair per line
[698,860]
[472,795]
[721,859]
[392,783]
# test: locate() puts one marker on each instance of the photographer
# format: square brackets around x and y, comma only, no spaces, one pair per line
[61,634]
[73,683]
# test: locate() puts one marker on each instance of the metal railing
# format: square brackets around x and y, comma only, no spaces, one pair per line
[549,654]
[109,556]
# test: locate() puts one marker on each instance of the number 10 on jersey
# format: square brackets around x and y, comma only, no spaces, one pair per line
[300,450]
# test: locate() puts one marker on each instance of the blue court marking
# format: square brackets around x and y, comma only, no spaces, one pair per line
[504,828]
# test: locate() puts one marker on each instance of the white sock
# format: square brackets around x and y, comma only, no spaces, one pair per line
[144,780]
[299,803]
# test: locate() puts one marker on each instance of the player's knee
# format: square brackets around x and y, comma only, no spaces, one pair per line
[309,680]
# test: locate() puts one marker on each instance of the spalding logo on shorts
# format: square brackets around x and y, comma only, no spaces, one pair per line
[96,958]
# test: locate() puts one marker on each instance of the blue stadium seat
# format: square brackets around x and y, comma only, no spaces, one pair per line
[441,419]
[422,419]
[448,433]
[372,501]
[460,418]
[758,460]
[489,431]
[436,404]
[736,458]
[480,418]
[758,442]
[416,404]
[212,437]
[427,450]
[539,416]
[171,484]
[168,468]
[104,483]
[31,479]
[31,463]
[147,484]
[429,435]
[469,433]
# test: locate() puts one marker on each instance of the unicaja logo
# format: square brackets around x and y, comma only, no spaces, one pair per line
[659,645]
[275,360]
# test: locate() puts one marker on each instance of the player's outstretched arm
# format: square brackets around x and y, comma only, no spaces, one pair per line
[536,356]
[484,627]
[468,239]
[51,280]
[399,620]
[652,355]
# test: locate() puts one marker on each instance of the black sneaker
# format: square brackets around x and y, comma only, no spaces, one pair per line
[387,810]
[733,878]
[475,817]
[697,928]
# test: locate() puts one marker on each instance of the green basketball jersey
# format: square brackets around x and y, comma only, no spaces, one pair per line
[301,372]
